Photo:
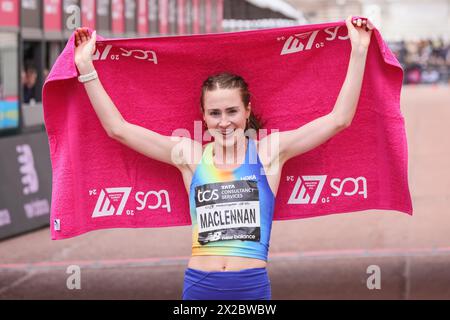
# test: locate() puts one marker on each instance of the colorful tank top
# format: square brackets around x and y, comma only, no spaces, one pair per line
[231,210]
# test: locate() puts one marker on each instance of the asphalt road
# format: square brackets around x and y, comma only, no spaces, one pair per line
[318,258]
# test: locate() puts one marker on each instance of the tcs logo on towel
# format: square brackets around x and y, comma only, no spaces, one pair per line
[104,53]
[305,41]
[308,189]
[112,201]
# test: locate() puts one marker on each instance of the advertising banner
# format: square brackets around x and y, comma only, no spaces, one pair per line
[117,17]
[142,22]
[52,15]
[25,183]
[9,13]
[88,14]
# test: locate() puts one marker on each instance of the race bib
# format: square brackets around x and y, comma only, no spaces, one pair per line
[228,211]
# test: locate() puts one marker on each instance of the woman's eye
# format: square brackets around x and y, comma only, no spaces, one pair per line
[217,113]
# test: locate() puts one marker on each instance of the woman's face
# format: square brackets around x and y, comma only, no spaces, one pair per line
[225,115]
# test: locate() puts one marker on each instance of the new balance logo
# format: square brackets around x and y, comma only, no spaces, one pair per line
[295,43]
[311,184]
[111,202]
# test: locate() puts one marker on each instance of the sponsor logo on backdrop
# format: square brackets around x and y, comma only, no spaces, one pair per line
[5,217]
[30,181]
[29,178]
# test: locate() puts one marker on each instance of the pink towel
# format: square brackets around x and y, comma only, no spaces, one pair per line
[294,74]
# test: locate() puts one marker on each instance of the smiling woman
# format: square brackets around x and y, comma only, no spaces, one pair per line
[233,181]
[231,201]
[230,81]
[226,109]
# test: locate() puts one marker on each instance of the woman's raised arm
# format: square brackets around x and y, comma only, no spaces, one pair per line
[172,150]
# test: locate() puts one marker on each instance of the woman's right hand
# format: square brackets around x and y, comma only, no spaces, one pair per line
[84,49]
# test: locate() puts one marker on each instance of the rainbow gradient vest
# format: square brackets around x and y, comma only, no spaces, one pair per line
[231,210]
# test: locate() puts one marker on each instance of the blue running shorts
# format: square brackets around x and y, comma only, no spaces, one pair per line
[246,284]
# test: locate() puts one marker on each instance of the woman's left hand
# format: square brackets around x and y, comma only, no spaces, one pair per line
[360,32]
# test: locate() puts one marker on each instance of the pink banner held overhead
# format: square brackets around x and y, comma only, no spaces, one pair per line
[294,75]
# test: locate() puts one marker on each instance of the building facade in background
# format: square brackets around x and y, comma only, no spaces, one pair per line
[33,34]
[396,19]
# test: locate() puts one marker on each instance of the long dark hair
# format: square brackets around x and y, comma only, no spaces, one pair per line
[227,80]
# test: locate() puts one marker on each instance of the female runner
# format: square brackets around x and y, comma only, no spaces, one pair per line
[231,228]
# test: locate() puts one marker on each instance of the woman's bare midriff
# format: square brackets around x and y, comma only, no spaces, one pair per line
[224,263]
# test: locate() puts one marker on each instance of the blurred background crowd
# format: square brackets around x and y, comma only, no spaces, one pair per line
[424,61]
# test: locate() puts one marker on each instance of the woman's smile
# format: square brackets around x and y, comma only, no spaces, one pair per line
[227,133]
